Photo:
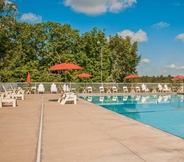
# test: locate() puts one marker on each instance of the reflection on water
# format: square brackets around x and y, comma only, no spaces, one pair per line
[137,99]
[163,111]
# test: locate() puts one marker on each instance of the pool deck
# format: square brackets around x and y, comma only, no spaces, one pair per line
[80,133]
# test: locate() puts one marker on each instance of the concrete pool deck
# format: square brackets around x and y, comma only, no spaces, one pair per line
[80,133]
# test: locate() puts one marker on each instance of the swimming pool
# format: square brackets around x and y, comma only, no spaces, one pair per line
[163,111]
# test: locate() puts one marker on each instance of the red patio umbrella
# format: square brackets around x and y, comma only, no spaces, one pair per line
[28,78]
[65,66]
[132,76]
[178,77]
[84,75]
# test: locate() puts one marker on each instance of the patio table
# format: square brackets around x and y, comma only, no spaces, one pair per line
[28,90]
[84,90]
[108,89]
[132,90]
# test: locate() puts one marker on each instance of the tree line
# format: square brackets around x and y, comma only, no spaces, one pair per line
[35,47]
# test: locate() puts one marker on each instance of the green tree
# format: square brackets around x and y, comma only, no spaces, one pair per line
[8,12]
[95,55]
[124,58]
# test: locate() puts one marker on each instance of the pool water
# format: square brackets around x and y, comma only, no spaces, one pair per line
[163,111]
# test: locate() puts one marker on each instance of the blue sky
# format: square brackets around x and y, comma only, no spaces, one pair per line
[157,25]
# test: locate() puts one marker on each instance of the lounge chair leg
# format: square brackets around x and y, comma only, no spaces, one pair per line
[1,104]
[14,103]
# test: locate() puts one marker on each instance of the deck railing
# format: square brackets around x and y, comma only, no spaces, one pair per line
[77,87]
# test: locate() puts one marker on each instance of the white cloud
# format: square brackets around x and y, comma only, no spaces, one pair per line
[96,7]
[180,36]
[173,66]
[161,25]
[146,61]
[30,17]
[139,36]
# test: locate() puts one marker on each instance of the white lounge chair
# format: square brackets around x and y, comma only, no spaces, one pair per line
[66,88]
[114,89]
[101,88]
[41,88]
[180,89]
[160,89]
[144,88]
[53,88]
[19,94]
[62,97]
[89,89]
[5,90]
[137,89]
[125,89]
[16,93]
[166,89]
[69,97]
[4,100]
[12,88]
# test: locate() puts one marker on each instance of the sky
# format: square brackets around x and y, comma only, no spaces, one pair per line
[157,25]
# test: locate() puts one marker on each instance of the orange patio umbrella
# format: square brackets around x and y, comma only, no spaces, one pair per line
[28,78]
[84,75]
[132,76]
[65,66]
[178,77]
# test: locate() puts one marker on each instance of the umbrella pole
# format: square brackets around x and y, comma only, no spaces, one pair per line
[65,75]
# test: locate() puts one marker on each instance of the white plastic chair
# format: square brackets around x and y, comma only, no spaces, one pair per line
[160,89]
[144,88]
[125,89]
[114,89]
[180,89]
[137,89]
[89,89]
[166,89]
[41,88]
[101,88]
[53,88]
[66,88]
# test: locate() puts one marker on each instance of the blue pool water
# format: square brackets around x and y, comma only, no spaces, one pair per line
[163,111]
